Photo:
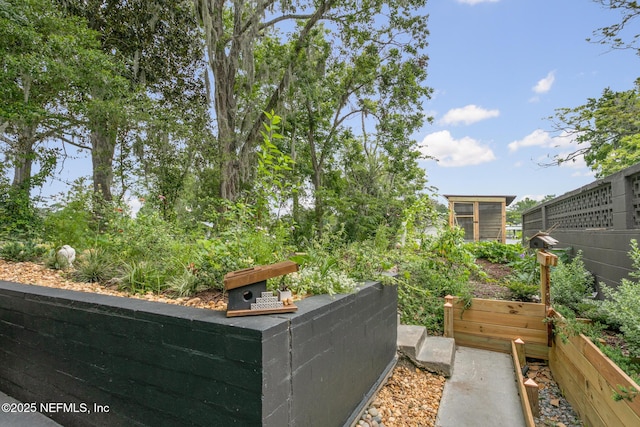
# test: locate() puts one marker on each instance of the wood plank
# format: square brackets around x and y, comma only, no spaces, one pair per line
[500,306]
[537,351]
[470,199]
[286,309]
[240,278]
[520,321]
[526,406]
[570,386]
[590,389]
[610,372]
[599,389]
[546,258]
[482,342]
[500,332]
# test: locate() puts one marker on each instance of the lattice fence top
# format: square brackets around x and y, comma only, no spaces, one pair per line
[635,198]
[589,209]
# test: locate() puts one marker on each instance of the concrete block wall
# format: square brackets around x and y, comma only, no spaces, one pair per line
[158,364]
[604,249]
[340,353]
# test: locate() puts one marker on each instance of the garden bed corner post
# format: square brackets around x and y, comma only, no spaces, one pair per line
[448,316]
[546,261]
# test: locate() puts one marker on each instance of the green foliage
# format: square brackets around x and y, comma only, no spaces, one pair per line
[496,252]
[320,266]
[94,266]
[442,267]
[274,183]
[141,277]
[526,269]
[22,251]
[20,218]
[571,284]
[607,127]
[70,221]
[184,284]
[570,326]
[320,279]
[630,366]
[522,291]
[623,303]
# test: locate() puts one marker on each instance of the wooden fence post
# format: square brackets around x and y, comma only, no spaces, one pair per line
[448,316]
[532,394]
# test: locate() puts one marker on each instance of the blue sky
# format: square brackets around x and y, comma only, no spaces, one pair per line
[498,69]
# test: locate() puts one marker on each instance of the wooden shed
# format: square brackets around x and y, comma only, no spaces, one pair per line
[481,217]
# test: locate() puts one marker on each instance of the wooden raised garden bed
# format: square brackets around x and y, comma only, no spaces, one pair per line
[588,378]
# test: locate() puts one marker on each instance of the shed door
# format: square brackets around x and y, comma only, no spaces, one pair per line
[464,216]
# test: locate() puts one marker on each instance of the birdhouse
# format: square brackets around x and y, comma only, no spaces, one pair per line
[542,240]
[247,290]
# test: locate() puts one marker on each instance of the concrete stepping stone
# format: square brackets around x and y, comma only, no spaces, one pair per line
[435,354]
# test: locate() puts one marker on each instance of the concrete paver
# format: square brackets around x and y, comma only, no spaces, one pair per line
[482,391]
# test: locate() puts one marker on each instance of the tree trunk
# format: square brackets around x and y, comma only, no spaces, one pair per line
[238,134]
[23,158]
[102,152]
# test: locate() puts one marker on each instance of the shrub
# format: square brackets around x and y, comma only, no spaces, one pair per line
[73,218]
[22,251]
[20,218]
[184,284]
[94,265]
[496,252]
[314,280]
[571,283]
[623,303]
[522,291]
[525,269]
[442,266]
[141,277]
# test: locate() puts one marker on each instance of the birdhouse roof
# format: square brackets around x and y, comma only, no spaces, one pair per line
[248,276]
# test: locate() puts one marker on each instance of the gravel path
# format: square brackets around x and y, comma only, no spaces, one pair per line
[411,397]
[555,410]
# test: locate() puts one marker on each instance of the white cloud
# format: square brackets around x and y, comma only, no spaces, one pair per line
[468,114]
[472,2]
[537,138]
[541,138]
[452,152]
[544,85]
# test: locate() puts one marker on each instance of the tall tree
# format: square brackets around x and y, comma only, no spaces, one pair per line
[355,108]
[48,60]
[608,128]
[234,30]
[161,45]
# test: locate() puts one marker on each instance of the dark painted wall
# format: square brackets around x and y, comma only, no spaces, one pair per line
[339,353]
[158,364]
[600,219]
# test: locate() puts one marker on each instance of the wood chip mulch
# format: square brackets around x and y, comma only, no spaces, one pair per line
[37,274]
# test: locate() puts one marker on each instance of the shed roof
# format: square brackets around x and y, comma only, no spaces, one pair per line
[508,199]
